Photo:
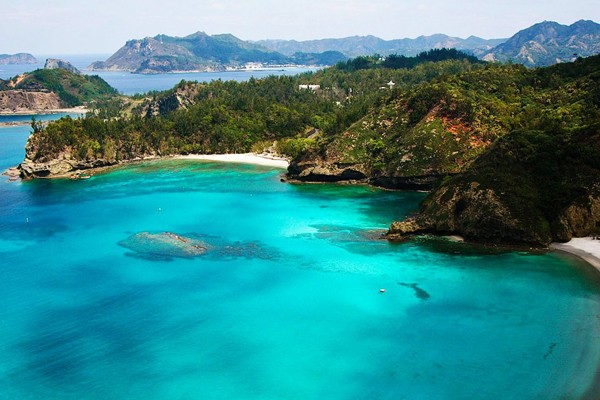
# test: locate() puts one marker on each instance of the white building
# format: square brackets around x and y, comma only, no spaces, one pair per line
[314,88]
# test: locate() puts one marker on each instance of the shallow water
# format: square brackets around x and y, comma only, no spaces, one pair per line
[284,304]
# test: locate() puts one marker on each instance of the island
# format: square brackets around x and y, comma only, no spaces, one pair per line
[19,58]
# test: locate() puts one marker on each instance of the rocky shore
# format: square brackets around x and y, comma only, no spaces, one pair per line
[323,172]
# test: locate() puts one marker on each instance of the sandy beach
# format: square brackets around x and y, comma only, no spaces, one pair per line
[585,248]
[246,158]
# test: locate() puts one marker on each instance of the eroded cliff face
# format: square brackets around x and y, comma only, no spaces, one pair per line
[55,63]
[582,218]
[15,101]
[475,213]
[64,164]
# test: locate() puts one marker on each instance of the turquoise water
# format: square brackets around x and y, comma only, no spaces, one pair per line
[286,303]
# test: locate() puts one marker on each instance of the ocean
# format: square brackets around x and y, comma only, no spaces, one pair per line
[187,279]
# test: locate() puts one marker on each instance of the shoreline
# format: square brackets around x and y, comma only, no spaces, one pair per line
[240,158]
[72,110]
[587,248]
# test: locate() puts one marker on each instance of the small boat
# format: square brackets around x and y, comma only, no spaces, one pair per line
[381,290]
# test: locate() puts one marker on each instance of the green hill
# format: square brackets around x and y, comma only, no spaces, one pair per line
[537,184]
[73,89]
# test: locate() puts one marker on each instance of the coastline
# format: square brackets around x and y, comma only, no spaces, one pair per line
[72,110]
[243,158]
[586,248]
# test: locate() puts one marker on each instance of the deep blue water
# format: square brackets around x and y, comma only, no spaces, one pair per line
[129,84]
[286,302]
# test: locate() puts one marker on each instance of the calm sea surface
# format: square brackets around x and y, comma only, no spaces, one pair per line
[286,302]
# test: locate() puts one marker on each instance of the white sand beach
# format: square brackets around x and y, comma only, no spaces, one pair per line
[246,158]
[586,248]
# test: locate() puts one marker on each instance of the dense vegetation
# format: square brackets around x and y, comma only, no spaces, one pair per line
[541,181]
[442,124]
[394,61]
[233,116]
[72,89]
[531,186]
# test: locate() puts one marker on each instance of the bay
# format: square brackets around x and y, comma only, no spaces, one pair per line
[284,303]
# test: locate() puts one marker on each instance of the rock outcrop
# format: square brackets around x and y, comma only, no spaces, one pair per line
[16,101]
[311,171]
[54,63]
[473,212]
[64,167]
[321,171]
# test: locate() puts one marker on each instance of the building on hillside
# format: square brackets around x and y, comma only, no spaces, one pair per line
[314,88]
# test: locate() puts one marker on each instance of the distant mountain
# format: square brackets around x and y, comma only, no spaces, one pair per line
[197,52]
[549,43]
[368,45]
[324,58]
[20,58]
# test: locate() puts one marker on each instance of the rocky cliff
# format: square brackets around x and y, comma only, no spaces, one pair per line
[54,63]
[18,101]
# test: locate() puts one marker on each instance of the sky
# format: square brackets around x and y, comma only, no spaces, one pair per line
[103,26]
